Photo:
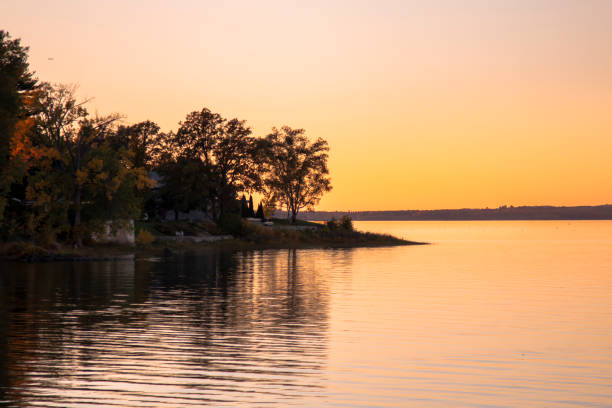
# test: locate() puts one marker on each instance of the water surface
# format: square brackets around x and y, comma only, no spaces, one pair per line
[497,314]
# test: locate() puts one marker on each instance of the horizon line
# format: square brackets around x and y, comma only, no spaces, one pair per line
[465,208]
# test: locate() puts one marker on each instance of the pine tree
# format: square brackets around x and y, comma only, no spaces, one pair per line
[260,212]
[16,85]
[244,208]
[251,209]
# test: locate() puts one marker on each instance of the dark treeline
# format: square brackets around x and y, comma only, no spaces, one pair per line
[65,174]
[601,212]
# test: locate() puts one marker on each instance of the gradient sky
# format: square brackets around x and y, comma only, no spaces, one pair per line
[425,104]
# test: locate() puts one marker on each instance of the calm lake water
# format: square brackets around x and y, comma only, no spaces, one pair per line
[492,314]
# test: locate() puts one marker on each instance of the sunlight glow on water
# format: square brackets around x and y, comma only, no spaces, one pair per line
[491,314]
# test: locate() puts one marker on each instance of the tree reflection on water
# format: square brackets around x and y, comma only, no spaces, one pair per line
[232,327]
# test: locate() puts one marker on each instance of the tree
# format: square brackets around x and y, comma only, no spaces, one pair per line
[15,82]
[143,142]
[63,128]
[226,150]
[260,212]
[85,166]
[244,207]
[184,185]
[235,168]
[16,85]
[296,174]
[140,140]
[70,160]
[251,210]
[43,153]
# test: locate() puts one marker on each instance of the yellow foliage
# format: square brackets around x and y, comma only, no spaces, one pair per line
[81,177]
[95,164]
[52,153]
[21,145]
[101,177]
[143,180]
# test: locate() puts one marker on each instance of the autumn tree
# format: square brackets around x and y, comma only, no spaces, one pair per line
[71,162]
[296,174]
[42,151]
[16,85]
[144,144]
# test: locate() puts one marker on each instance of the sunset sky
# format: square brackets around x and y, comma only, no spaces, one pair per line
[425,104]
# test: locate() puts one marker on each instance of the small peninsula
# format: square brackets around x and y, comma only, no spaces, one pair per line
[167,239]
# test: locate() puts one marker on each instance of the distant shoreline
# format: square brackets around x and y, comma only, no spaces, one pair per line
[522,213]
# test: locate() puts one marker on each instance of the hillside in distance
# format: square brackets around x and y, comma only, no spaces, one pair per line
[599,212]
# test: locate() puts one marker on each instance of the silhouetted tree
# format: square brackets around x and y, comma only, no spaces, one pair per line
[244,207]
[296,174]
[141,140]
[16,85]
[346,223]
[235,165]
[227,152]
[260,212]
[332,224]
[251,209]
[184,184]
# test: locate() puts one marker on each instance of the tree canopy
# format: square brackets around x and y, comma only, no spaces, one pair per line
[75,178]
[296,173]
[16,84]
[226,152]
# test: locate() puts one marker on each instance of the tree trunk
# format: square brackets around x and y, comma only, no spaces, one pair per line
[76,233]
[176,215]
[293,216]
[213,210]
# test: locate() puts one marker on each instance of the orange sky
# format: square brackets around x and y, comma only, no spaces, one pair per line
[440,105]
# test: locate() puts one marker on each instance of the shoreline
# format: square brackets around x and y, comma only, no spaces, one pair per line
[31,253]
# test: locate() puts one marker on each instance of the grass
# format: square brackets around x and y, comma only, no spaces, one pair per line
[320,236]
[300,223]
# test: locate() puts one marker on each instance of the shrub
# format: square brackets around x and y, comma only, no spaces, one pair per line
[144,237]
[256,233]
[332,224]
[209,227]
[346,223]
